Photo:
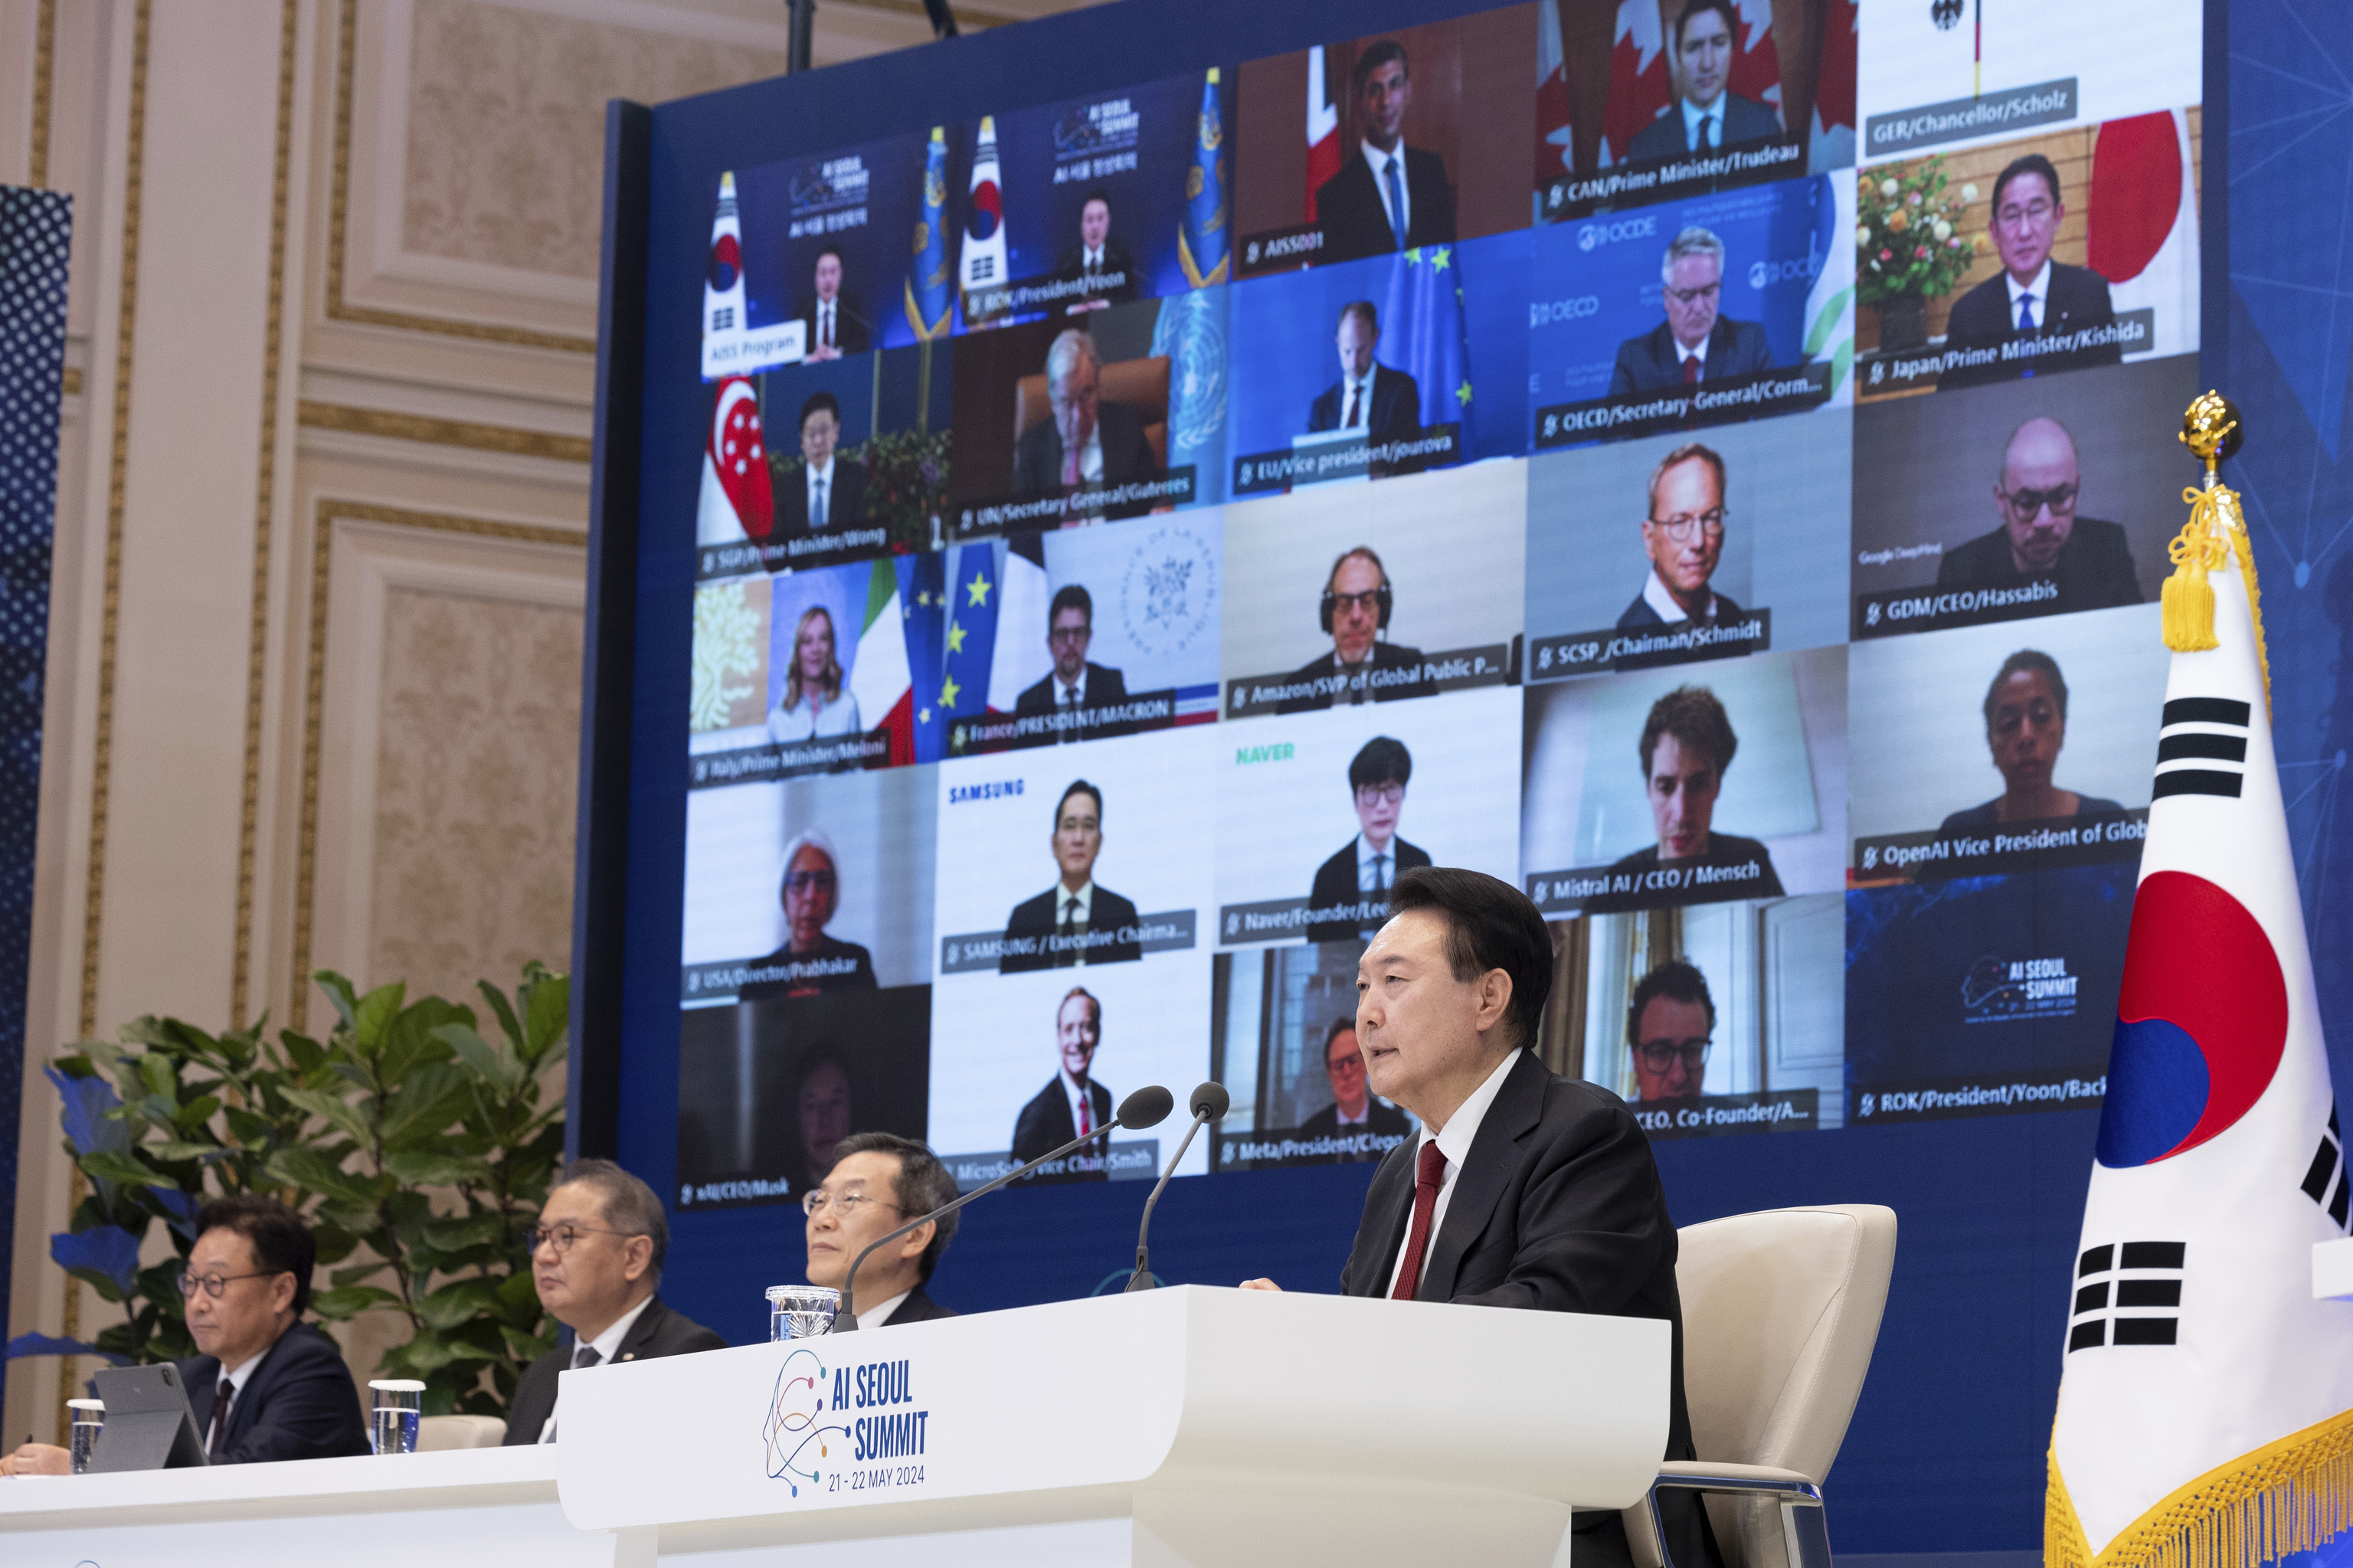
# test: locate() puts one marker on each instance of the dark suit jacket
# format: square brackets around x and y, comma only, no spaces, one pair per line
[1723,850]
[919,1307]
[1557,1208]
[1983,318]
[1355,220]
[1384,656]
[1104,685]
[860,979]
[1335,882]
[1106,911]
[1045,1125]
[1745,119]
[659,1331]
[2094,570]
[1639,613]
[845,504]
[1126,455]
[1979,818]
[1395,415]
[1115,259]
[300,1403]
[1384,1120]
[1648,363]
[850,331]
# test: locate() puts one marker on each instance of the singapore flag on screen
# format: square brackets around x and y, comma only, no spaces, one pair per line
[2206,1398]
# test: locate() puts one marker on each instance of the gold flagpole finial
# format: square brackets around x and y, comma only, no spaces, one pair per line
[2212,430]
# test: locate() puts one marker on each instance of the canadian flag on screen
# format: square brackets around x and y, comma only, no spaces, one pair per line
[1833,136]
[2142,232]
[1755,64]
[1552,131]
[734,504]
[1639,90]
[1323,129]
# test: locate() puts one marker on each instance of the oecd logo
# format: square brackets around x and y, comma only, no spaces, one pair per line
[1610,232]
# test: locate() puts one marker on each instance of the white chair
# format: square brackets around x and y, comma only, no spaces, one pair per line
[438,1431]
[1781,1310]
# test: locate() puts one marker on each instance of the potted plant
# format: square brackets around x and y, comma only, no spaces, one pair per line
[1908,244]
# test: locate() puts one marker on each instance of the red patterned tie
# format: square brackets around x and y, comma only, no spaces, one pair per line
[1428,1174]
[1690,371]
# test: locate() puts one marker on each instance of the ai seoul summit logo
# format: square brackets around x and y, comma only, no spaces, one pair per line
[796,1429]
[813,1412]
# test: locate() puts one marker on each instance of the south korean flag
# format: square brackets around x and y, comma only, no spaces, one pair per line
[2206,1403]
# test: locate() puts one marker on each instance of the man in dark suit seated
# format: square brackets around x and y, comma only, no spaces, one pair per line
[1073,923]
[1099,256]
[830,491]
[1073,1103]
[1524,1189]
[1369,396]
[835,322]
[1693,345]
[1074,682]
[1354,1110]
[1349,887]
[2041,534]
[880,1182]
[596,1258]
[1687,744]
[1083,442]
[1704,117]
[1683,534]
[264,1385]
[815,962]
[2025,726]
[1361,668]
[1357,208]
[2033,297]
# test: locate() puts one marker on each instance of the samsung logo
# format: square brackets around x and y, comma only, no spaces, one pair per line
[996,790]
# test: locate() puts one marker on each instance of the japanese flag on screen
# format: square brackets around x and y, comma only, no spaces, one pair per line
[2197,1365]
[2141,231]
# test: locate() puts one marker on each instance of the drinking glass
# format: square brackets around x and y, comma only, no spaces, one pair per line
[89,1419]
[399,1405]
[801,1312]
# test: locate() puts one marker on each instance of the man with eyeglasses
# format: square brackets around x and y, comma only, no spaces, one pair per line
[811,963]
[1074,1102]
[880,1182]
[264,1385]
[1695,344]
[596,1258]
[1352,888]
[1363,666]
[1355,1109]
[1669,1023]
[1682,535]
[1074,923]
[2041,534]
[2033,296]
[1076,681]
[1705,117]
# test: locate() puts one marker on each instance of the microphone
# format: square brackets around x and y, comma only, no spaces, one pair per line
[1145,1107]
[1209,1103]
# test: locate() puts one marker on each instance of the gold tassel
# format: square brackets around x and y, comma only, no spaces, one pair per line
[2188,598]
[2295,1495]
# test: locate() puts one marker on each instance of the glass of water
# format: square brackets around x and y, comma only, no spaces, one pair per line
[89,1419]
[801,1312]
[399,1405]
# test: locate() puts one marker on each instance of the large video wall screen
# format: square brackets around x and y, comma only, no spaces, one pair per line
[1707,464]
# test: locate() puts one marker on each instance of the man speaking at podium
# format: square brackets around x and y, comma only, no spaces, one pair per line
[1524,1189]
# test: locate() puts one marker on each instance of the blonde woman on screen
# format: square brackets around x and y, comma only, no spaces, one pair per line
[813,704]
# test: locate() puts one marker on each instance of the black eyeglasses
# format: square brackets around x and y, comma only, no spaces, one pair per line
[2060,498]
[213,1284]
[802,881]
[1661,1055]
[566,1235]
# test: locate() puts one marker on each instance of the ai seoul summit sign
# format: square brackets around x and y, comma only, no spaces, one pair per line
[854,1429]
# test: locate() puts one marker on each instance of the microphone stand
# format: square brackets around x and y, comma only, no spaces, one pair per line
[846,1321]
[1206,1107]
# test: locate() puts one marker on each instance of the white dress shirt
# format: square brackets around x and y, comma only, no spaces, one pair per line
[1359,1119]
[1462,1130]
[825,329]
[875,1317]
[2039,290]
[1358,390]
[1379,161]
[1662,603]
[819,518]
[607,1345]
[1078,919]
[1368,872]
[1079,1095]
[1073,695]
[1697,123]
[1684,355]
[1092,261]
[236,1377]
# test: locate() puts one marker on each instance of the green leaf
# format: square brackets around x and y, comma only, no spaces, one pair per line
[494,1066]
[453,1305]
[526,1348]
[105,1165]
[333,1110]
[425,1354]
[508,1023]
[305,1053]
[420,1169]
[356,1273]
[311,1170]
[341,993]
[549,1009]
[373,1018]
[428,1099]
[469,1230]
[174,1149]
[351,1300]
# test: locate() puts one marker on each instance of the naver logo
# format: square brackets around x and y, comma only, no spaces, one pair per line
[1610,232]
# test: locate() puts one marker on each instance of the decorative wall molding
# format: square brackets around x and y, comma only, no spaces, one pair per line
[443,432]
[44,65]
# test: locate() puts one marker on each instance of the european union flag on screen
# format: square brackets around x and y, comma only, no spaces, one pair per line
[1201,244]
[923,594]
[927,285]
[1422,332]
[968,640]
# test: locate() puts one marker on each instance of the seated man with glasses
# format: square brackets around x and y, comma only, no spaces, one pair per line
[1668,1026]
[2033,297]
[264,1385]
[1075,682]
[1694,344]
[2041,534]
[811,963]
[1364,665]
[1352,888]
[1682,535]
[596,1258]
[880,1182]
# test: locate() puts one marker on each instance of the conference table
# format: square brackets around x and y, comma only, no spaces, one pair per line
[1187,1425]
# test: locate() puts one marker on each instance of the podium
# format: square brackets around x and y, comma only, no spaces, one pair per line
[1169,1427]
